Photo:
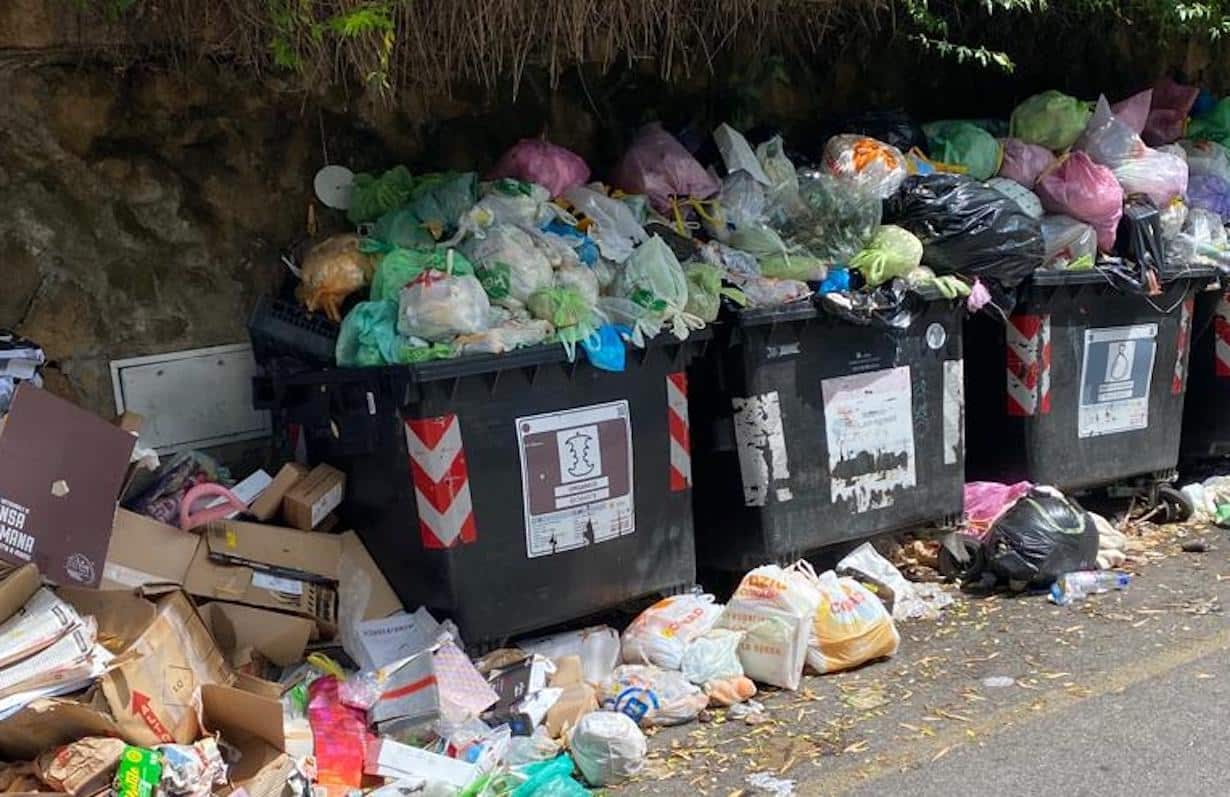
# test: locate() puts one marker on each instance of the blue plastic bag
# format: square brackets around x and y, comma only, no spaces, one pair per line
[837,281]
[605,348]
[582,244]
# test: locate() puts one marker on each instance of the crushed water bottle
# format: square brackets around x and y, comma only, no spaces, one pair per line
[1075,586]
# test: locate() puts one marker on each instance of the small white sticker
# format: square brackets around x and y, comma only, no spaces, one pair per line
[288,586]
[762,448]
[326,504]
[1116,376]
[954,411]
[937,336]
[869,426]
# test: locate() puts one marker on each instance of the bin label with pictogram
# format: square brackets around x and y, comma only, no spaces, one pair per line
[576,477]
[1116,376]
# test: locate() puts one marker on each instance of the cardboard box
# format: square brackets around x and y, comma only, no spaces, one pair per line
[280,552]
[315,496]
[269,502]
[251,723]
[144,552]
[390,759]
[209,580]
[61,471]
[239,630]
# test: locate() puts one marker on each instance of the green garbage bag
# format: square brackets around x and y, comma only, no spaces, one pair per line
[550,779]
[1212,125]
[440,199]
[778,258]
[966,145]
[653,279]
[705,291]
[374,196]
[399,267]
[574,317]
[893,252]
[1051,119]
[368,337]
[403,229]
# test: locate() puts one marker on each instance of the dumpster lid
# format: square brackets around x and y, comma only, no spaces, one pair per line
[804,310]
[1094,276]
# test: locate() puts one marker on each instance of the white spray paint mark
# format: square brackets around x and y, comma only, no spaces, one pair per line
[954,411]
[758,432]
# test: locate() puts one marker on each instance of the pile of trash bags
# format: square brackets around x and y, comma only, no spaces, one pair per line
[444,264]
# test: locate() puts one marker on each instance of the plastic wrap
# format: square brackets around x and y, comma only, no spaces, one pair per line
[1070,244]
[1076,186]
[865,164]
[1051,119]
[439,306]
[892,252]
[1023,162]
[612,225]
[965,145]
[967,228]
[657,165]
[509,264]
[332,270]
[539,161]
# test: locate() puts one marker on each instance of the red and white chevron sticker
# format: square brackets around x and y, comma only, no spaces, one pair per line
[1221,340]
[677,422]
[1179,380]
[441,481]
[298,442]
[1029,365]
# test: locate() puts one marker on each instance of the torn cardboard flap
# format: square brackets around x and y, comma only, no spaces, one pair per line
[280,638]
[61,471]
[47,723]
[250,722]
[144,552]
[290,553]
[267,504]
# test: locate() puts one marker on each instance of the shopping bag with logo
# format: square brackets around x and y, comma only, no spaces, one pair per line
[852,626]
[776,608]
[661,633]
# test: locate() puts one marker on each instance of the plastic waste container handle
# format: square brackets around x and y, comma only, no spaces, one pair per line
[189,521]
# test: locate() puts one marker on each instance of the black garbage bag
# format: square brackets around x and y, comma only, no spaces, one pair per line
[967,228]
[1042,536]
[894,127]
[1139,238]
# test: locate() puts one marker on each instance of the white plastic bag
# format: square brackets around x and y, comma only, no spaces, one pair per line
[512,334]
[1207,157]
[582,278]
[741,202]
[737,154]
[510,264]
[661,633]
[652,696]
[597,647]
[527,207]
[607,747]
[776,608]
[1066,241]
[713,656]
[867,565]
[438,307]
[612,226]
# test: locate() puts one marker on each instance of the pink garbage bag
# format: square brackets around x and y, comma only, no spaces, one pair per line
[1134,111]
[1111,142]
[986,501]
[1080,188]
[660,167]
[1172,103]
[538,161]
[1024,162]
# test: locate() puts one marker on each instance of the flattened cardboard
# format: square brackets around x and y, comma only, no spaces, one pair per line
[144,552]
[288,553]
[17,588]
[269,502]
[47,723]
[250,722]
[361,575]
[210,580]
[316,495]
[61,470]
[280,638]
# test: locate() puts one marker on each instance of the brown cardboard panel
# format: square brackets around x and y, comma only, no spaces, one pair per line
[280,638]
[248,721]
[285,552]
[320,492]
[17,588]
[144,552]
[267,504]
[61,470]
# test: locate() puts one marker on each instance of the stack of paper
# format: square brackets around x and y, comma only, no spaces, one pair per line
[19,362]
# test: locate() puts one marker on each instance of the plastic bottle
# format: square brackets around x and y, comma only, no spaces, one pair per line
[1075,586]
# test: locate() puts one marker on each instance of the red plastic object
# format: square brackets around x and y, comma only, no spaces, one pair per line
[340,737]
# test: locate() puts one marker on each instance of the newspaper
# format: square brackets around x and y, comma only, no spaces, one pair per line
[43,620]
[69,658]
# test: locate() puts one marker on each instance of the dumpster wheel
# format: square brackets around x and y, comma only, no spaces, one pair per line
[1176,507]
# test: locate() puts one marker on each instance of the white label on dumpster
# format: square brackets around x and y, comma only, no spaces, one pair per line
[763,461]
[576,477]
[869,425]
[954,411]
[1116,375]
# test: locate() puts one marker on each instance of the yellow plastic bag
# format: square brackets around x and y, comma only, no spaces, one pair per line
[332,270]
[852,626]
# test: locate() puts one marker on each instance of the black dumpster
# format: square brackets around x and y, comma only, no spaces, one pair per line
[509,492]
[810,431]
[1206,415]
[1083,386]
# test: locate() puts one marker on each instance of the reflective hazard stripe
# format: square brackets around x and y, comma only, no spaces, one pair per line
[1179,380]
[1028,373]
[1221,347]
[677,424]
[441,481]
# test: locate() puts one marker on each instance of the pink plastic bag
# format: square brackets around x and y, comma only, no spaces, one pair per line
[1080,188]
[1172,103]
[1162,176]
[1134,111]
[538,161]
[658,166]
[340,738]
[986,501]
[1024,162]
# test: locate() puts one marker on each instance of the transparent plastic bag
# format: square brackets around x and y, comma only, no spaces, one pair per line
[705,291]
[515,202]
[612,224]
[834,222]
[769,292]
[539,161]
[652,696]
[1207,157]
[1172,217]
[1139,168]
[438,307]
[1134,111]
[368,337]
[516,333]
[653,279]
[892,252]
[712,656]
[657,165]
[1210,192]
[332,270]
[509,264]
[865,164]
[1023,162]
[737,154]
[661,633]
[777,258]
[400,267]
[1051,119]
[1070,244]
[1076,186]
[782,190]
[965,145]
[741,202]
[732,261]
[581,279]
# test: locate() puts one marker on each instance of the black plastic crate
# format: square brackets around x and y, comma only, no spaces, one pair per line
[280,328]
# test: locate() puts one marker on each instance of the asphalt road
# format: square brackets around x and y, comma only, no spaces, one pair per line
[1127,692]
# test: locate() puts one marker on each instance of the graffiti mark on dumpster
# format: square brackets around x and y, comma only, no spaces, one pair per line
[869,427]
[762,448]
[576,477]
[954,411]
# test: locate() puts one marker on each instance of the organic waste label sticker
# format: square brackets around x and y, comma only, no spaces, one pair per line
[869,426]
[576,477]
[1116,374]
